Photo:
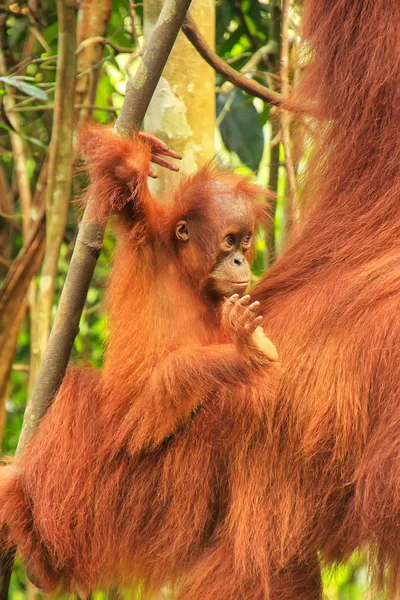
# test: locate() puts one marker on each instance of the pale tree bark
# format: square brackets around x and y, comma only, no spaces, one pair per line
[182,111]
[286,121]
[60,166]
[94,16]
[93,19]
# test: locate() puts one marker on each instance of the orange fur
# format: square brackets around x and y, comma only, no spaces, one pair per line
[122,478]
[255,489]
[332,306]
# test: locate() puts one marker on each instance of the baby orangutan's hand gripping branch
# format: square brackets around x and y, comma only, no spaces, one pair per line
[176,263]
[182,336]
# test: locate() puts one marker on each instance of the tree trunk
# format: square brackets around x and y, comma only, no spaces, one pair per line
[182,111]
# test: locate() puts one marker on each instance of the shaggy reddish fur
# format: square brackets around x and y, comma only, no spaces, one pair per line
[123,477]
[249,495]
[332,306]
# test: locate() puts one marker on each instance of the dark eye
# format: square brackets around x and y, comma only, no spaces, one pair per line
[247,238]
[230,240]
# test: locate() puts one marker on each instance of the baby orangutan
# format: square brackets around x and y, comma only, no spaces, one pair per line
[125,479]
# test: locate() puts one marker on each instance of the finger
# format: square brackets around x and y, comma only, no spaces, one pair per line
[168,152]
[252,325]
[154,140]
[159,146]
[248,315]
[237,311]
[164,163]
[228,302]
[228,306]
[244,299]
[234,314]
[152,173]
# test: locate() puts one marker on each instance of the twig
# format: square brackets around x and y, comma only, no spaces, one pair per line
[22,264]
[220,66]
[30,61]
[132,13]
[43,107]
[34,30]
[285,117]
[234,59]
[105,42]
[21,368]
[268,49]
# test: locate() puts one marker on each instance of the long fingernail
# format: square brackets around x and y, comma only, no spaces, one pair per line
[164,146]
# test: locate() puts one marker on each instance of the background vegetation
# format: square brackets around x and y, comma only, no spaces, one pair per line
[55,72]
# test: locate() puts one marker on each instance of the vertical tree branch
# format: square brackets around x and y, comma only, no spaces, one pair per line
[17,145]
[60,164]
[275,144]
[286,118]
[94,16]
[132,13]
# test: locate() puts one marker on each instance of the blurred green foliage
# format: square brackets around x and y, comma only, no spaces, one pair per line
[242,27]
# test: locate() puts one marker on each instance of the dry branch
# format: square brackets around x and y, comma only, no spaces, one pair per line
[220,66]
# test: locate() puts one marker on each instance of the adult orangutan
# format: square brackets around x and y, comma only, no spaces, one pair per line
[331,481]
[269,474]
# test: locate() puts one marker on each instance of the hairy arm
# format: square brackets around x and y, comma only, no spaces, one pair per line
[184,379]
[119,168]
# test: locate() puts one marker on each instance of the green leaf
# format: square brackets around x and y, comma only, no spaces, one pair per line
[26,88]
[240,127]
[224,15]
